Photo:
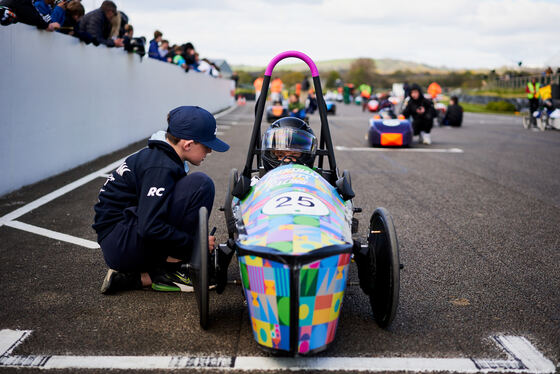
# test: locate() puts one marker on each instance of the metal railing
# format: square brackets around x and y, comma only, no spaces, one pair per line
[509,82]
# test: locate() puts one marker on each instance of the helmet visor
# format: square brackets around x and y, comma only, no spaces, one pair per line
[289,139]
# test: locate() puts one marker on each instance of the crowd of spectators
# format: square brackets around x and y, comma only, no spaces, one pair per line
[185,56]
[105,25]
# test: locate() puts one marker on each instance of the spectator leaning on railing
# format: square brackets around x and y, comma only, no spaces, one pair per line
[97,24]
[74,13]
[153,51]
[163,50]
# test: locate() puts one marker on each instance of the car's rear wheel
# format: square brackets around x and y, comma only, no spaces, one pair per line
[228,211]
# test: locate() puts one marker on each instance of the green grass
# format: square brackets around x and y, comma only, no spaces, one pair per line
[478,108]
[505,93]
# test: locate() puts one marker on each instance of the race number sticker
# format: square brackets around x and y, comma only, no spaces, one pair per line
[295,203]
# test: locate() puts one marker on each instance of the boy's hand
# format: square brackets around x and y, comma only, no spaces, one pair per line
[211,243]
[53,26]
[212,240]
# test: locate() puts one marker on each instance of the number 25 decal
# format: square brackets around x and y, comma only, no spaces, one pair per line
[304,201]
[295,203]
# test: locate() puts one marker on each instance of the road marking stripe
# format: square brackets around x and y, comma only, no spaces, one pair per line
[57,193]
[224,127]
[226,112]
[425,150]
[9,218]
[525,358]
[52,234]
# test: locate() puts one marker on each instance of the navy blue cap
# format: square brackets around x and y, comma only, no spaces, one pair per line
[195,123]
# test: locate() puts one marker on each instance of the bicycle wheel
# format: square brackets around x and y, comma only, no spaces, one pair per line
[526,121]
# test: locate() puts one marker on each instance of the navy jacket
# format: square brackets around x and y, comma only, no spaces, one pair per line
[141,186]
[454,115]
[97,26]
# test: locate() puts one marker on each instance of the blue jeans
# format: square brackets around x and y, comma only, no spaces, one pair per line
[124,250]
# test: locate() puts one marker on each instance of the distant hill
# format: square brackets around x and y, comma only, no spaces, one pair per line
[384,66]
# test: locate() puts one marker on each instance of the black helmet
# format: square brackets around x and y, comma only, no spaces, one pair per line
[288,134]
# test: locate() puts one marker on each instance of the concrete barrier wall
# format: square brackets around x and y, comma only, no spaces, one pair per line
[64,103]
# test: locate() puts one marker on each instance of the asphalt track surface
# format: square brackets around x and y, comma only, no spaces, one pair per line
[478,233]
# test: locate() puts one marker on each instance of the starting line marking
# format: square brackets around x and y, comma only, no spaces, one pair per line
[523,358]
[421,150]
[53,234]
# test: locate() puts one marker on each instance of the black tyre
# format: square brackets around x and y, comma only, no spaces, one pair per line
[199,265]
[383,253]
[228,212]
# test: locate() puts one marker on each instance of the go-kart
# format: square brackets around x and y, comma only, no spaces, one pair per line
[331,106]
[292,231]
[276,111]
[388,130]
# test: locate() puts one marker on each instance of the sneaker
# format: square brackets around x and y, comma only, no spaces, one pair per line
[421,137]
[427,139]
[115,282]
[172,281]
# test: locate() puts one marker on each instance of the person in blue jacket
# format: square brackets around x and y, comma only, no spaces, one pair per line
[147,214]
[153,51]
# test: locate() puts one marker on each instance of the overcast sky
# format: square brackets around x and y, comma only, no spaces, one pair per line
[451,33]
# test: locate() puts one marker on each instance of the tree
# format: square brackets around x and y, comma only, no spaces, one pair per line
[290,78]
[245,78]
[362,70]
[332,76]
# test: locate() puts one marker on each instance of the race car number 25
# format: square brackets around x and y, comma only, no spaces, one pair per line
[295,203]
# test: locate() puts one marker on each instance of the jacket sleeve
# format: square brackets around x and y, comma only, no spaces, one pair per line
[58,15]
[407,111]
[42,16]
[157,186]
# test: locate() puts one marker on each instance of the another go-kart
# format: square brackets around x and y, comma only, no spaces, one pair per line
[292,231]
[388,130]
[276,111]
[331,106]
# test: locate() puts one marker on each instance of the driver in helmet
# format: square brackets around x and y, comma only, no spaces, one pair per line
[288,140]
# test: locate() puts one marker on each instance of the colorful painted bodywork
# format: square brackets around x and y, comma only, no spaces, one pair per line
[294,266]
[318,301]
[389,132]
[299,232]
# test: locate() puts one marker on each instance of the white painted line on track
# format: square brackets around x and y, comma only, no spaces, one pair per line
[421,150]
[57,193]
[226,112]
[9,219]
[53,234]
[525,358]
[224,127]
